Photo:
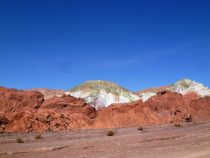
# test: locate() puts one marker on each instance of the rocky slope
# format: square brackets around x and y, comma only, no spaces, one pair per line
[101,94]
[165,107]
[25,111]
[183,87]
[49,93]
[187,86]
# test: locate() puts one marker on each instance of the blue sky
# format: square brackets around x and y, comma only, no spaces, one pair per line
[135,43]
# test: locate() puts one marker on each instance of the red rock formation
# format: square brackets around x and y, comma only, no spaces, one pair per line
[165,107]
[14,104]
[12,100]
[25,111]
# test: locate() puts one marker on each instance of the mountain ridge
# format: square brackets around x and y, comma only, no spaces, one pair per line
[101,93]
[27,111]
[91,91]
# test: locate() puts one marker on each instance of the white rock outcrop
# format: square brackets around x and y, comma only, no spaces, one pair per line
[102,94]
[186,86]
[147,95]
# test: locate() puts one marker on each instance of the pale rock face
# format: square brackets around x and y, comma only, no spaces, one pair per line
[183,87]
[49,93]
[102,99]
[102,94]
[187,86]
[145,96]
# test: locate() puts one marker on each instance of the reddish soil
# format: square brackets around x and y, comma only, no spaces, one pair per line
[191,140]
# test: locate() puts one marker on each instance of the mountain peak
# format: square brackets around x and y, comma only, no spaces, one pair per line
[97,85]
[185,86]
[101,93]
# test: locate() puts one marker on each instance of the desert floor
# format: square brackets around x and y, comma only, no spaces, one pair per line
[191,140]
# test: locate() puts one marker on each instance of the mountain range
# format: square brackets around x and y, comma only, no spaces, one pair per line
[101,104]
[100,94]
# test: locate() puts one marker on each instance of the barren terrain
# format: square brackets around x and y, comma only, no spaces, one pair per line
[191,140]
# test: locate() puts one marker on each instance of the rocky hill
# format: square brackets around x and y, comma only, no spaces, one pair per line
[183,87]
[165,107]
[186,86]
[105,105]
[100,94]
[25,111]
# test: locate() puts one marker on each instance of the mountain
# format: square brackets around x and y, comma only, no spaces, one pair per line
[101,94]
[26,111]
[184,86]
[164,107]
[105,105]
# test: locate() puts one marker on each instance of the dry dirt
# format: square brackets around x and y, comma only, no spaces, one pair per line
[191,140]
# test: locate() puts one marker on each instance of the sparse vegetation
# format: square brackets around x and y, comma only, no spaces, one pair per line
[96,86]
[110,133]
[177,125]
[38,136]
[19,140]
[140,128]
[188,119]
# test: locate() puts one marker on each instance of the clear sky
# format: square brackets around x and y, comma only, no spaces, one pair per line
[135,43]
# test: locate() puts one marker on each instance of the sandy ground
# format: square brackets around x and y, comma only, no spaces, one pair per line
[192,140]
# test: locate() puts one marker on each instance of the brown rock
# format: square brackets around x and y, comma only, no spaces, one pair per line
[3,120]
